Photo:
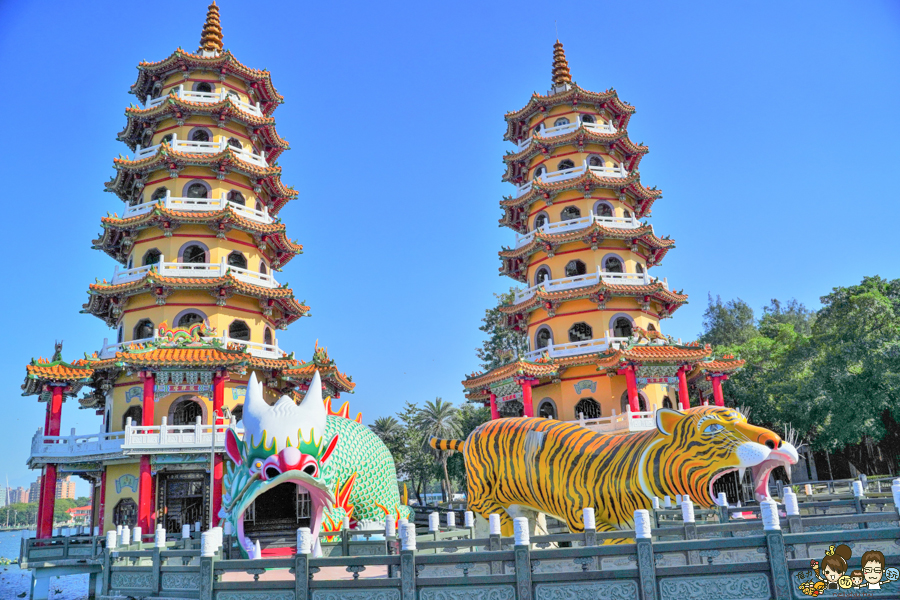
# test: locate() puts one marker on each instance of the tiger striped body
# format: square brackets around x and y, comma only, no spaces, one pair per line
[559,468]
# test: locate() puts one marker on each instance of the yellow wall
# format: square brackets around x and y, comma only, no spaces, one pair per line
[177,186]
[113,473]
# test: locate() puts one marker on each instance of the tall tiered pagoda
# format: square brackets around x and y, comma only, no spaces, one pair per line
[195,301]
[590,305]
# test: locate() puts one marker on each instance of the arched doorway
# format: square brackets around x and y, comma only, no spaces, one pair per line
[642,402]
[185,410]
[588,407]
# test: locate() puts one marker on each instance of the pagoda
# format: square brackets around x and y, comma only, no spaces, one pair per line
[195,301]
[590,306]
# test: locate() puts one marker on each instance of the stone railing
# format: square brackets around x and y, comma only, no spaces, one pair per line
[185,204]
[259,349]
[189,269]
[207,98]
[60,448]
[195,147]
[576,348]
[546,132]
[576,224]
[165,438]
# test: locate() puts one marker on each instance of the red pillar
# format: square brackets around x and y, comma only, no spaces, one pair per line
[145,481]
[527,403]
[717,389]
[47,497]
[101,503]
[495,414]
[683,397]
[631,385]
[218,467]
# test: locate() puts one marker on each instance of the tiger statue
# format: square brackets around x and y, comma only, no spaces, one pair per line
[520,465]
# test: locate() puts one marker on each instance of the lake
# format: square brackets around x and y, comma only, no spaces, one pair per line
[14,581]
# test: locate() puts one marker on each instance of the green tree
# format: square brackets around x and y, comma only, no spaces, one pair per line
[416,463]
[791,312]
[470,416]
[503,344]
[727,323]
[440,419]
[393,434]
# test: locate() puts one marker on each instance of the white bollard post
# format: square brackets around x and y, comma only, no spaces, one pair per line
[642,524]
[808,489]
[197,526]
[97,531]
[408,536]
[111,537]
[655,503]
[678,499]
[858,489]
[469,519]
[723,499]
[687,511]
[520,531]
[119,530]
[588,515]
[137,535]
[160,539]
[434,522]
[257,551]
[218,532]
[895,492]
[304,540]
[186,532]
[126,536]
[770,515]
[791,507]
[667,502]
[208,545]
[345,524]
[451,520]
[494,524]
[401,523]
[390,529]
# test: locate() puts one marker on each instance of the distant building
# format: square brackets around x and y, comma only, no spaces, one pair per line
[65,488]
[3,496]
[80,513]
[34,492]
[18,496]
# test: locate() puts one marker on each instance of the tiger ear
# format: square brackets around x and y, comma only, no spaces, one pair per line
[667,419]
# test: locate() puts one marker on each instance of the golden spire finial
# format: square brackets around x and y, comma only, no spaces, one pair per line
[211,38]
[560,65]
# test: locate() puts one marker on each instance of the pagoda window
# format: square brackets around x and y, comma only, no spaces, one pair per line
[125,513]
[626,213]
[258,205]
[236,197]
[203,87]
[543,338]
[575,267]
[151,257]
[638,268]
[588,408]
[193,253]
[130,264]
[262,268]
[540,220]
[580,332]
[667,402]
[596,161]
[602,209]
[120,335]
[236,259]
[143,330]
[537,128]
[268,338]
[642,402]
[565,164]
[200,135]
[569,212]
[158,194]
[542,275]
[547,409]
[613,264]
[239,330]
[157,90]
[189,318]
[622,327]
[539,172]
[235,143]
[588,119]
[136,413]
[186,412]
[560,122]
[196,189]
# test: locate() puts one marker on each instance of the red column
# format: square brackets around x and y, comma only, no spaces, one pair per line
[527,403]
[218,468]
[101,503]
[631,385]
[717,389]
[47,496]
[495,414]
[145,480]
[683,397]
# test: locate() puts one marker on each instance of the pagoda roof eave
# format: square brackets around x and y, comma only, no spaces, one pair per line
[582,135]
[712,366]
[643,233]
[609,98]
[657,291]
[40,372]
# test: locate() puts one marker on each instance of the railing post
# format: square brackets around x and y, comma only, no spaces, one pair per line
[781,579]
[408,562]
[522,552]
[198,424]
[690,529]
[157,563]
[208,547]
[858,495]
[180,90]
[301,564]
[494,542]
[163,431]
[645,559]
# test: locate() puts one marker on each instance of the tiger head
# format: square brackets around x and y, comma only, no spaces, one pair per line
[698,446]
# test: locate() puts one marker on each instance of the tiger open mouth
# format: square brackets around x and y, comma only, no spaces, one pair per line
[784,456]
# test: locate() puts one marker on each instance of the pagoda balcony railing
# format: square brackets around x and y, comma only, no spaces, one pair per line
[164,438]
[546,132]
[257,349]
[622,422]
[576,348]
[576,224]
[213,147]
[59,448]
[618,171]
[199,270]
[184,204]
[207,98]
[577,281]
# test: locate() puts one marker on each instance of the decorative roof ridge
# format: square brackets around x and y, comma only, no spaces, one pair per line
[152,276]
[165,149]
[656,287]
[575,92]
[173,101]
[644,232]
[620,135]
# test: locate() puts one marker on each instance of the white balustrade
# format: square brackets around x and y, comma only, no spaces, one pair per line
[207,98]
[172,437]
[617,171]
[588,279]
[197,147]
[546,132]
[578,223]
[185,204]
[182,269]
[110,349]
[626,421]
[255,348]
[575,348]
[67,446]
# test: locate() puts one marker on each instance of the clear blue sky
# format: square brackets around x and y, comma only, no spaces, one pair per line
[772,129]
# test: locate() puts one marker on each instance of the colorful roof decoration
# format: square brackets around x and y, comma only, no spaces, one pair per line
[211,37]
[40,372]
[728,363]
[119,232]
[303,372]
[580,136]
[560,73]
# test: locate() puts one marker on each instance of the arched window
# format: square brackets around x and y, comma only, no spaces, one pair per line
[542,275]
[613,265]
[667,402]
[580,332]
[588,119]
[539,172]
[626,213]
[189,318]
[197,190]
[537,128]
[157,90]
[151,257]
[540,220]
[158,194]
[560,122]
[575,267]
[595,161]
[120,335]
[589,408]
[130,264]
[268,337]
[569,212]
[603,210]
[547,409]
[262,268]
[136,413]
[565,164]
[143,330]
[125,513]
[199,135]
[186,412]
[236,259]
[622,327]
[543,338]
[235,143]
[194,254]
[642,402]
[638,268]
[203,87]
[258,205]
[236,197]
[239,330]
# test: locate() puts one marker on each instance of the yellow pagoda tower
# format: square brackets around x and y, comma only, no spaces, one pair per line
[195,301]
[590,306]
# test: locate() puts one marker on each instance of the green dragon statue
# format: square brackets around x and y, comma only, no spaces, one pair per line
[344,467]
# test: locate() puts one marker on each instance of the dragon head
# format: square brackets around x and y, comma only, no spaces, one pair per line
[282,444]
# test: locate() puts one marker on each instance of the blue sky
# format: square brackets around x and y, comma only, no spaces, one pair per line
[772,129]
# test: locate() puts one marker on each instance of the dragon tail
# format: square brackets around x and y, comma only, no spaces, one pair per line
[405,499]
[439,444]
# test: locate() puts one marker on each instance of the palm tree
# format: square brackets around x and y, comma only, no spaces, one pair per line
[439,419]
[386,428]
